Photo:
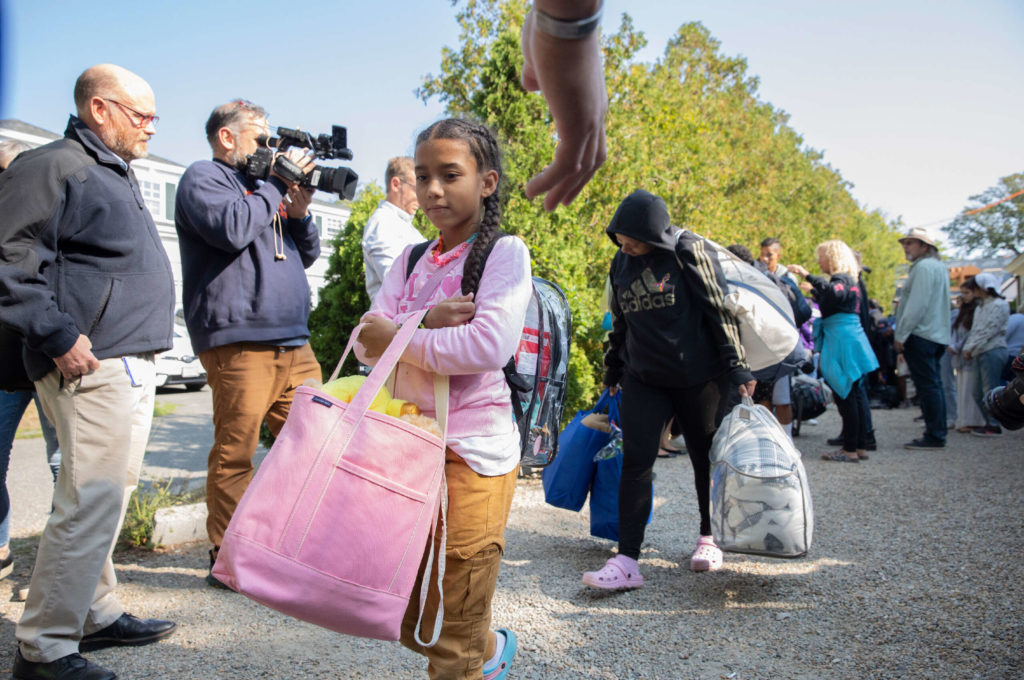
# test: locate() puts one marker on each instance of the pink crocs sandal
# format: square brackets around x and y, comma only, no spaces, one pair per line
[707,556]
[616,574]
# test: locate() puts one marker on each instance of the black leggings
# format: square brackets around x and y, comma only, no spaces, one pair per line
[645,409]
[856,415]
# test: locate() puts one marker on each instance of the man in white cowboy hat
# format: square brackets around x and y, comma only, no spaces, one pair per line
[922,332]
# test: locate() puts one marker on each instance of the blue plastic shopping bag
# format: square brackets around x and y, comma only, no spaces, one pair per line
[604,491]
[568,478]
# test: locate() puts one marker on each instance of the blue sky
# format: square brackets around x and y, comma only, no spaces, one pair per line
[918,103]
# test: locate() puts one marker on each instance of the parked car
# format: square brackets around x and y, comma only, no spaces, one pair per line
[178,365]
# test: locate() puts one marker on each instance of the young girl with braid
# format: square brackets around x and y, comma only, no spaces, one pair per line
[473,327]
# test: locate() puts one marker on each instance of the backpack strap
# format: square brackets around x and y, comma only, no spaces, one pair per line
[414,257]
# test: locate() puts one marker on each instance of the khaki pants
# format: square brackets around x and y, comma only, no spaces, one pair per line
[251,383]
[103,426]
[478,509]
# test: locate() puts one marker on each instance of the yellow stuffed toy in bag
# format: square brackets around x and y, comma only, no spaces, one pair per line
[345,388]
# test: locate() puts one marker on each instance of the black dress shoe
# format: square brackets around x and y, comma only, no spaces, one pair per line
[127,630]
[70,667]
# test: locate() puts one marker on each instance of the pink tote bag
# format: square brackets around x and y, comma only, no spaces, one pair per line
[337,519]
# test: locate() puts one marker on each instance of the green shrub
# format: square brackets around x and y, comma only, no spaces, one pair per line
[137,530]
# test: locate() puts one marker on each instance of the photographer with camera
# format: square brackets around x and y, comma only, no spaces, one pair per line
[245,244]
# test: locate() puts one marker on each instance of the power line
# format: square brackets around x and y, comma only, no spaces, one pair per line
[970,212]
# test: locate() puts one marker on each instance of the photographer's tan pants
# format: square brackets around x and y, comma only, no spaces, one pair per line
[251,383]
[103,427]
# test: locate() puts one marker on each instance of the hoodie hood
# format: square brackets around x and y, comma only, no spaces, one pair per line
[644,217]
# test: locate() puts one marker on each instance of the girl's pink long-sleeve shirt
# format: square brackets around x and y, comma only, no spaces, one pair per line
[481,427]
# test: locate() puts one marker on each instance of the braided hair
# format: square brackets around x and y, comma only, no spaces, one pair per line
[484,146]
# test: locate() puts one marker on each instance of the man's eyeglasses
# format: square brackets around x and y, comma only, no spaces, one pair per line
[139,120]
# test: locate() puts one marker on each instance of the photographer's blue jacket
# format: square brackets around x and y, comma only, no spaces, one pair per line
[234,287]
[80,254]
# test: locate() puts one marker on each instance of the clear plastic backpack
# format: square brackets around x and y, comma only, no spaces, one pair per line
[760,497]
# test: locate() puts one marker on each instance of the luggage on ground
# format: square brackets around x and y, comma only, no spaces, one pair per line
[568,479]
[760,498]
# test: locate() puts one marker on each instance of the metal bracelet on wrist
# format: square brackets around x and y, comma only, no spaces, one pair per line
[567,29]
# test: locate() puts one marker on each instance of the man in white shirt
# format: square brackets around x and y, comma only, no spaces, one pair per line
[389,229]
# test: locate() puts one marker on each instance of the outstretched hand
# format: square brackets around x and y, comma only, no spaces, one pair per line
[569,74]
[797,269]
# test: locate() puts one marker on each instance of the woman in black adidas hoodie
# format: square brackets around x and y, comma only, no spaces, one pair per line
[675,351]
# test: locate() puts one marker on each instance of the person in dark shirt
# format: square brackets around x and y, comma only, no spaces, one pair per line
[675,350]
[846,355]
[245,245]
[86,284]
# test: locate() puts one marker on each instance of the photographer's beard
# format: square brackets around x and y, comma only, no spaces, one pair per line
[236,158]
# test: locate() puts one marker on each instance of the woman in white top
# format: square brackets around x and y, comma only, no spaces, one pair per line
[968,415]
[987,344]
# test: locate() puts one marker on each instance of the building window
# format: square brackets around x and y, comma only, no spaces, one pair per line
[172,190]
[153,195]
[330,228]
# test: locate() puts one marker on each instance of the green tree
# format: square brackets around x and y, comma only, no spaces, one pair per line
[343,298]
[689,127]
[996,229]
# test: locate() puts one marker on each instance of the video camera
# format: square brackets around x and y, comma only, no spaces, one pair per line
[341,181]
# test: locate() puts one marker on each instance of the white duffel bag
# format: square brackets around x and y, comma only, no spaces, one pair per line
[760,498]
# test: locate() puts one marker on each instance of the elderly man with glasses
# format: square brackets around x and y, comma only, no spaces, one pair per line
[245,244]
[86,284]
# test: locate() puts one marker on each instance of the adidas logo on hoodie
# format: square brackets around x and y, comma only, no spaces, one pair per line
[647,293]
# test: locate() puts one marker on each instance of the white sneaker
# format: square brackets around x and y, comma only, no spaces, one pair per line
[813,422]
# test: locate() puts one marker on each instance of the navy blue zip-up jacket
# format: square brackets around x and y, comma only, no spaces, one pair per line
[669,325]
[235,288]
[80,254]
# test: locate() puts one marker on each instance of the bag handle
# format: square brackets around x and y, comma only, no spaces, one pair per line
[442,519]
[614,405]
[746,405]
[385,365]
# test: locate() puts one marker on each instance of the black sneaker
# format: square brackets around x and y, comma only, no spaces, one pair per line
[212,580]
[924,443]
[7,565]
[70,667]
[988,431]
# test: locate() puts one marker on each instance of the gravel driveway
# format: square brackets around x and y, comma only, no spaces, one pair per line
[915,572]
